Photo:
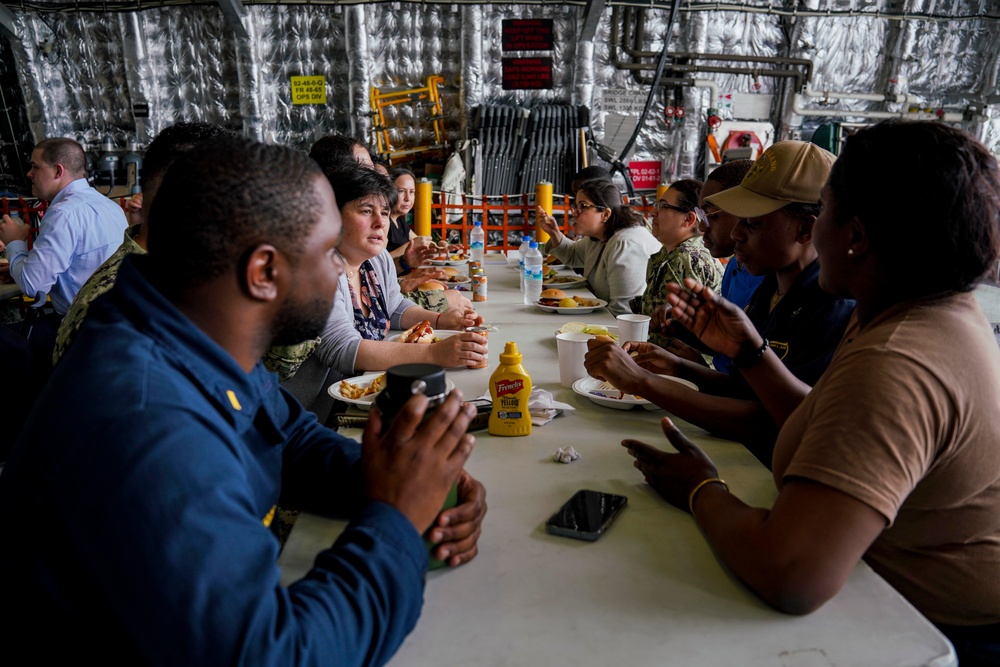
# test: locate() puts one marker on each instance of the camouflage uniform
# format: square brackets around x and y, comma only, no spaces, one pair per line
[690,259]
[431,300]
[100,282]
[281,359]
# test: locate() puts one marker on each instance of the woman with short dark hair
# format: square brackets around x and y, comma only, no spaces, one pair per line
[613,247]
[368,302]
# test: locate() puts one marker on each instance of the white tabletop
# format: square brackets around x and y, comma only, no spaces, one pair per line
[649,592]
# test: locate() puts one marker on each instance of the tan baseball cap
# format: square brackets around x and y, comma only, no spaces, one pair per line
[787,172]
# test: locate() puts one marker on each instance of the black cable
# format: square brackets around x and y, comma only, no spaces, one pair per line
[660,65]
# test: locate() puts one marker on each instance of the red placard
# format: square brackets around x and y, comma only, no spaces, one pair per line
[527,73]
[526,35]
[645,175]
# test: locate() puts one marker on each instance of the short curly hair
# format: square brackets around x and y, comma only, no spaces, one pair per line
[335,151]
[216,204]
[173,141]
[940,201]
[355,182]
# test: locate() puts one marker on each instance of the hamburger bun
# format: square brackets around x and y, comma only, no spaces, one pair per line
[430,285]
[450,271]
[553,293]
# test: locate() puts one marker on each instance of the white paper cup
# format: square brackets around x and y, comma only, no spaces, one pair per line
[633,328]
[572,349]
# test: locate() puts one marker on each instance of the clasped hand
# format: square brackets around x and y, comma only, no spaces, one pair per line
[413,465]
[10,230]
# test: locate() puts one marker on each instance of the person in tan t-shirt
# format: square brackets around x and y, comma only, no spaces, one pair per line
[894,455]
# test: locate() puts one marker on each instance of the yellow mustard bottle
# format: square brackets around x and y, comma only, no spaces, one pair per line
[510,388]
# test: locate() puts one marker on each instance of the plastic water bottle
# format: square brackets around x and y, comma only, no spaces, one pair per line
[532,275]
[521,252]
[477,242]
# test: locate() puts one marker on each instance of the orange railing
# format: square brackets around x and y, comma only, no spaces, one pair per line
[510,215]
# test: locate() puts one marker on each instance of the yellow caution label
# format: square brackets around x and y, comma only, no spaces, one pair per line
[308,89]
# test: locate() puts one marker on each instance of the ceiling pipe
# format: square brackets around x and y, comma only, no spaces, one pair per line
[773,60]
[947,117]
[617,42]
[871,97]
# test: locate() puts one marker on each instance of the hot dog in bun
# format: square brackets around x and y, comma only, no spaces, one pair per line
[418,333]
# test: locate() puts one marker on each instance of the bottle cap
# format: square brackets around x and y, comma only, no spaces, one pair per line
[533,244]
[510,356]
[477,223]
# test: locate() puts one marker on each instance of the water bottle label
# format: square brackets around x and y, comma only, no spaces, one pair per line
[536,274]
[477,245]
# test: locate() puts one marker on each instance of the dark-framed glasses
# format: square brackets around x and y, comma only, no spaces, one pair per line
[664,205]
[581,206]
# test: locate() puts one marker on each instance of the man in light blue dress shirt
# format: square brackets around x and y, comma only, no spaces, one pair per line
[80,229]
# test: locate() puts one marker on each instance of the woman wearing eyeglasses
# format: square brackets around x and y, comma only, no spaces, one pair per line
[614,244]
[683,255]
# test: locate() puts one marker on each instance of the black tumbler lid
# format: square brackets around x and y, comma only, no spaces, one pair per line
[399,380]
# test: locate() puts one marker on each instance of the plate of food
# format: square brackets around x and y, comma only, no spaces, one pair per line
[554,300]
[562,279]
[592,329]
[603,393]
[553,262]
[422,334]
[363,389]
[451,260]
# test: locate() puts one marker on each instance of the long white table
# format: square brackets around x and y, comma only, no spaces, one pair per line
[650,592]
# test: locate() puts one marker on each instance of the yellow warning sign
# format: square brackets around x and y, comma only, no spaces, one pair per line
[308,89]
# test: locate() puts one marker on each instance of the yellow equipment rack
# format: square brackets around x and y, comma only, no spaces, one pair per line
[427,112]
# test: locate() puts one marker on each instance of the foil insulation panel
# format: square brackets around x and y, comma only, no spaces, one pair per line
[82,72]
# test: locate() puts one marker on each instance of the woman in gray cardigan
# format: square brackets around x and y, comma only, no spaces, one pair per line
[613,247]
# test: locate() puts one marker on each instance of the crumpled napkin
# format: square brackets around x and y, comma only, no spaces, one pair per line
[566,455]
[542,406]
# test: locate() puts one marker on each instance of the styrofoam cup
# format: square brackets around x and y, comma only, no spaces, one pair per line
[633,328]
[572,349]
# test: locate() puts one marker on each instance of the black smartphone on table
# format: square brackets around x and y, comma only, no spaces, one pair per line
[586,516]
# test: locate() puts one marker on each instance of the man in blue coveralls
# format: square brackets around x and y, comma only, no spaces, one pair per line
[143,485]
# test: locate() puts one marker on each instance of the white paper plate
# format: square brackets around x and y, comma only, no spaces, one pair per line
[612,330]
[601,303]
[448,262]
[440,333]
[585,387]
[365,402]
[564,281]
[462,280]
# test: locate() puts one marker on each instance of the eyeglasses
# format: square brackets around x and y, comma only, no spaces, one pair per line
[663,205]
[580,207]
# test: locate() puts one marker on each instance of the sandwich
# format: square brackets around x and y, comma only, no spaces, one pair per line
[551,297]
[429,285]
